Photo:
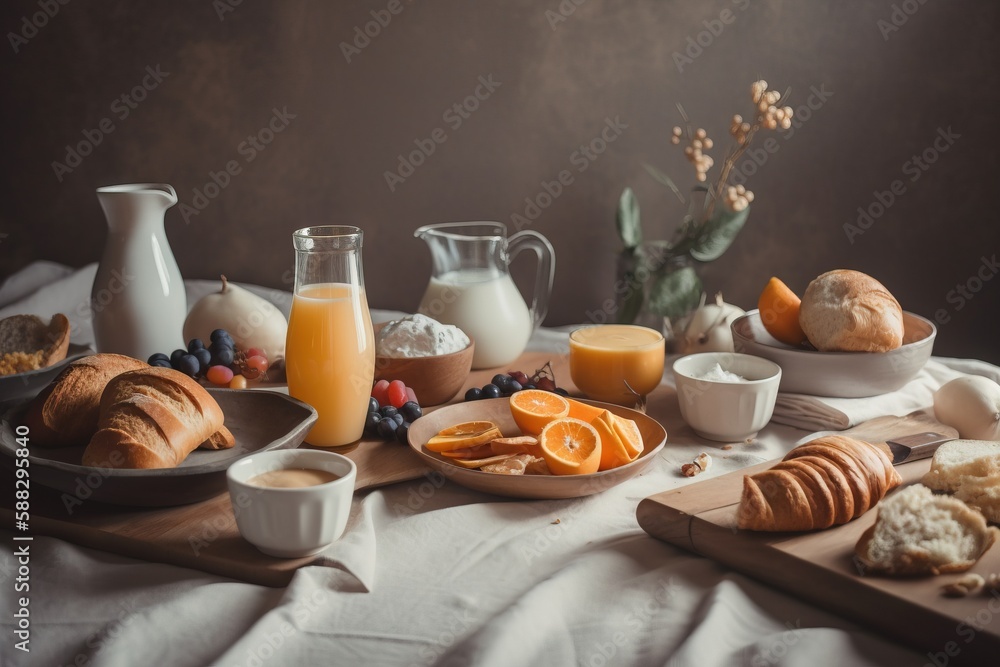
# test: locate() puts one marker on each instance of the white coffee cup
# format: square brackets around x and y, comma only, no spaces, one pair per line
[292,522]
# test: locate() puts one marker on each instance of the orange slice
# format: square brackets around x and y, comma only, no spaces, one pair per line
[584,411]
[532,409]
[524,444]
[570,446]
[628,432]
[461,436]
[779,312]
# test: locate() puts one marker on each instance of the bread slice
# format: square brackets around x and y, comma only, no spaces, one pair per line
[958,459]
[983,493]
[27,343]
[920,533]
[850,311]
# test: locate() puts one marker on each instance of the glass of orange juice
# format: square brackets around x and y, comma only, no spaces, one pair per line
[330,348]
[616,363]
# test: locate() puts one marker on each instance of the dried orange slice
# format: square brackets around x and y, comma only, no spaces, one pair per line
[523,444]
[584,411]
[570,446]
[461,436]
[532,409]
[779,312]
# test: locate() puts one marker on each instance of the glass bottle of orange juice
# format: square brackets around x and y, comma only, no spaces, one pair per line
[330,349]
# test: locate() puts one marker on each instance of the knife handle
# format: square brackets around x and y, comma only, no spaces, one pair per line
[913,447]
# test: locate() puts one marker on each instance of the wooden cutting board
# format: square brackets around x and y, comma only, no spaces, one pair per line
[204,536]
[820,566]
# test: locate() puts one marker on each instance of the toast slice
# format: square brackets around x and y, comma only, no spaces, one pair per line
[28,343]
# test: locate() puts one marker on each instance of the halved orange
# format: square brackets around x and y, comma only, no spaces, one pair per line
[570,446]
[584,411]
[779,312]
[466,434]
[532,409]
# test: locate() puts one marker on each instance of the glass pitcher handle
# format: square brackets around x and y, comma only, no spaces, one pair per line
[545,274]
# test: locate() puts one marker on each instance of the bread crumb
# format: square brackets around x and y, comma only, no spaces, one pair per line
[727,447]
[556,521]
[21,362]
[965,585]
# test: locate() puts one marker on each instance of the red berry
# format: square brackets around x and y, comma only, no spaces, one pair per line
[258,363]
[255,352]
[519,376]
[380,392]
[219,375]
[411,395]
[546,383]
[396,394]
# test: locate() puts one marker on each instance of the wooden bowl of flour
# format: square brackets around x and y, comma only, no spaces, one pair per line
[435,380]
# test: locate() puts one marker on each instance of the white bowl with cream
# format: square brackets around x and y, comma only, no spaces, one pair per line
[292,503]
[717,405]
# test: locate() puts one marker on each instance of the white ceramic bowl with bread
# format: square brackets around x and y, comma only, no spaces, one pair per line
[860,340]
[292,521]
[722,410]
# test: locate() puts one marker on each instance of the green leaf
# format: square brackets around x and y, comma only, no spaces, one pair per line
[630,301]
[627,220]
[675,293]
[718,234]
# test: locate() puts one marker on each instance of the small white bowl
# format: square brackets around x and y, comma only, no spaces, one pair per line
[726,411]
[296,522]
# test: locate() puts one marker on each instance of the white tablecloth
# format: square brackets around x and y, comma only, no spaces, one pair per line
[451,576]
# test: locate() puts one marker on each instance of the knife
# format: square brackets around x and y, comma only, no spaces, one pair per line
[913,447]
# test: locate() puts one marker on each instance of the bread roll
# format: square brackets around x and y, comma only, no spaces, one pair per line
[824,482]
[849,311]
[151,418]
[27,343]
[65,413]
[971,470]
[919,533]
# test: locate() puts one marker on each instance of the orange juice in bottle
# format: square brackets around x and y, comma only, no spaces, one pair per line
[330,348]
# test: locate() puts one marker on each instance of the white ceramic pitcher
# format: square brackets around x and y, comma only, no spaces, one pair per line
[138,300]
[471,287]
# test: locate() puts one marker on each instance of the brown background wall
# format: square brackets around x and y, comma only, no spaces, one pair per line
[886,95]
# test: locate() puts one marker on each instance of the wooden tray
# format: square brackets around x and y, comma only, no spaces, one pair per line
[204,536]
[820,566]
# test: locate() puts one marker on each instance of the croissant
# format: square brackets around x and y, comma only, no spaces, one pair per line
[824,482]
[152,418]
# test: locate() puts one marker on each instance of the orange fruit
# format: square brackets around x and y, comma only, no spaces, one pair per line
[779,312]
[570,446]
[584,411]
[532,409]
[613,453]
[466,434]
[628,431]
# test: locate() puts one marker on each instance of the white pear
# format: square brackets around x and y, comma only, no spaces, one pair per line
[249,319]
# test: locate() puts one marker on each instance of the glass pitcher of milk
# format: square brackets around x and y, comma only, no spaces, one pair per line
[471,286]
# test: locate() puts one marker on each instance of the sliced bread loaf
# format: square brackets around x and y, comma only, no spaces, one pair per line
[28,343]
[958,459]
[919,533]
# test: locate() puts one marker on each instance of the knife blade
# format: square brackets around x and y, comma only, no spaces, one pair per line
[913,447]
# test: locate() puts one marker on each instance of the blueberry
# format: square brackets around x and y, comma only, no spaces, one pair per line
[221,335]
[373,405]
[403,432]
[398,418]
[195,344]
[161,363]
[222,355]
[204,358]
[388,411]
[561,391]
[491,391]
[474,394]
[158,356]
[513,386]
[189,365]
[387,429]
[501,380]
[371,423]
[528,386]
[176,355]
[411,411]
